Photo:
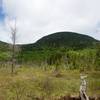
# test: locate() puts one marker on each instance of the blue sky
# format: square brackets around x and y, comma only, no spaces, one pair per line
[37,18]
[1,11]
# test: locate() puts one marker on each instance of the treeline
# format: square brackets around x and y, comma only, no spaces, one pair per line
[84,59]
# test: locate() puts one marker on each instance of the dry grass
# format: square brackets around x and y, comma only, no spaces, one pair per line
[30,82]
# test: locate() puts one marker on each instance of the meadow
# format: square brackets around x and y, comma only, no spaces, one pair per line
[31,82]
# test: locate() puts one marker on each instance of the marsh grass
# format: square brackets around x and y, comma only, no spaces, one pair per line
[29,83]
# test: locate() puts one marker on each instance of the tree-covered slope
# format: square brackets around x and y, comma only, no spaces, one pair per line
[4,46]
[64,39]
[49,45]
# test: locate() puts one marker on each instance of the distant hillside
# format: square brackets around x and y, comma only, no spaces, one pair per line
[49,45]
[4,46]
[64,39]
[56,40]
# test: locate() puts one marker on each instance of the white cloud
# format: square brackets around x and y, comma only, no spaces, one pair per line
[37,18]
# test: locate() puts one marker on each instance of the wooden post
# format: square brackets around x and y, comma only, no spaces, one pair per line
[83,87]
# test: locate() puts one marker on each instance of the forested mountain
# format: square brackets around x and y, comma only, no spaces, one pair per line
[49,46]
[4,46]
[56,40]
[64,39]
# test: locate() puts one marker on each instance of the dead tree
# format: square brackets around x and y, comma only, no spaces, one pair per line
[83,87]
[13,46]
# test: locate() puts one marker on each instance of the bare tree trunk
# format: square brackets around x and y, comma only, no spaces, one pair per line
[83,86]
[13,39]
[13,59]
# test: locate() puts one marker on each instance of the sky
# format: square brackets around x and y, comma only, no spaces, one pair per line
[37,18]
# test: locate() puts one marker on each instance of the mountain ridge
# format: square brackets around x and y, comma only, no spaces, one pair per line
[58,39]
[64,39]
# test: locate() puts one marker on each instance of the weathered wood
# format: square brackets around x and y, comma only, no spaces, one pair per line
[83,87]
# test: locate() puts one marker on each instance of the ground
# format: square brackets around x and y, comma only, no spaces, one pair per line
[27,83]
